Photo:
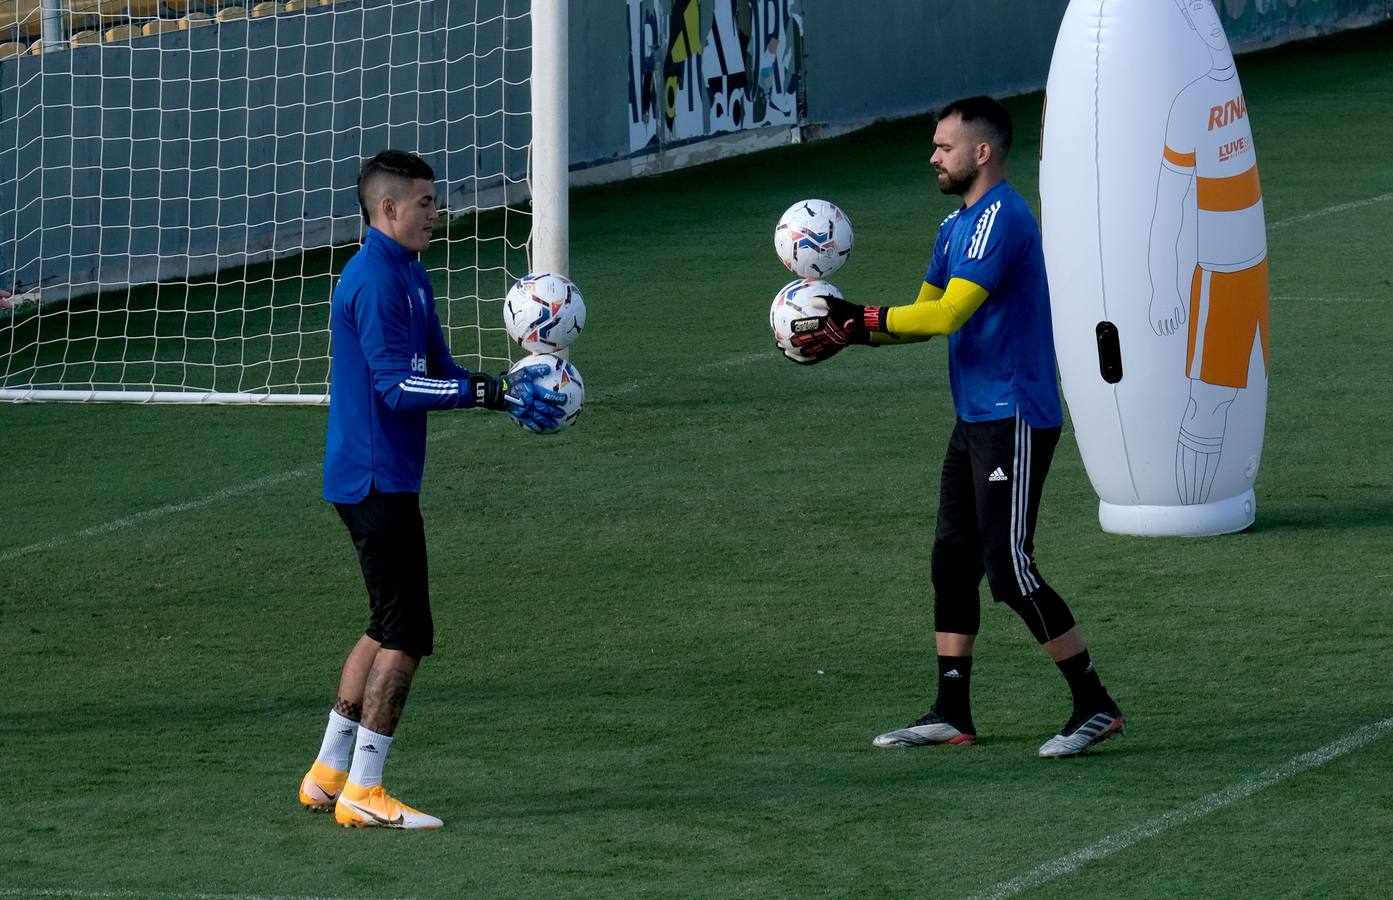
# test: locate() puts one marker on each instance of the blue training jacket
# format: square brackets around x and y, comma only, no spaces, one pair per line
[390,367]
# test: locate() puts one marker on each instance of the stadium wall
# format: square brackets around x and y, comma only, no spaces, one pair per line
[882,60]
[156,158]
[186,152]
[852,63]
[894,58]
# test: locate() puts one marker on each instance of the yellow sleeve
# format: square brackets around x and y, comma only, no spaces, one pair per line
[928,293]
[941,314]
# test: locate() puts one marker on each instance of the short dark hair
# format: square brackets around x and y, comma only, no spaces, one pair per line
[386,167]
[988,117]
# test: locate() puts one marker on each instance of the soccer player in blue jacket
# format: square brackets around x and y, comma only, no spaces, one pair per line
[986,289]
[390,367]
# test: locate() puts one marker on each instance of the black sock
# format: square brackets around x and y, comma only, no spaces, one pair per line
[954,688]
[1089,694]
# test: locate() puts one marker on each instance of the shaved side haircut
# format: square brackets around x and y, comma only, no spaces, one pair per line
[389,174]
[987,118]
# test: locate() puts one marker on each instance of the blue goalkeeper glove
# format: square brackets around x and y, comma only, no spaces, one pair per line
[535,407]
[845,324]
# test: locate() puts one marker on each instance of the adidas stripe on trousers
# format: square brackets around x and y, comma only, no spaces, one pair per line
[989,496]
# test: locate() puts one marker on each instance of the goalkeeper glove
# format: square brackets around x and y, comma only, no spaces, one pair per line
[535,407]
[796,356]
[845,324]
[486,391]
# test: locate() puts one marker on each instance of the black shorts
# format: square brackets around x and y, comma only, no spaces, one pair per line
[993,477]
[391,542]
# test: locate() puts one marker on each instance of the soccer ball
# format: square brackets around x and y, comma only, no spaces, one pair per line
[544,312]
[813,238]
[562,376]
[796,309]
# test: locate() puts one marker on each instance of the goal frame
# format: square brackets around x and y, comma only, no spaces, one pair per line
[548,175]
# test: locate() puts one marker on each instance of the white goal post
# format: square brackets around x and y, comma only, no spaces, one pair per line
[178,182]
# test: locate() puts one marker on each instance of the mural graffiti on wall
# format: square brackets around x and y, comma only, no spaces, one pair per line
[1249,20]
[1235,8]
[704,67]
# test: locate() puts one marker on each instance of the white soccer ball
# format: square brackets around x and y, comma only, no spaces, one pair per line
[544,312]
[796,309]
[562,376]
[813,238]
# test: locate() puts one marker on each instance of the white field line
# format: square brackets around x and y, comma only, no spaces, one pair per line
[1111,844]
[1294,297]
[734,362]
[240,490]
[159,512]
[725,363]
[1329,211]
[157,895]
[269,481]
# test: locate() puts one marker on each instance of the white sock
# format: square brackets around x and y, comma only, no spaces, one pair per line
[337,748]
[368,758]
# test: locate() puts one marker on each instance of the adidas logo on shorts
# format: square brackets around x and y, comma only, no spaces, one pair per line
[997,475]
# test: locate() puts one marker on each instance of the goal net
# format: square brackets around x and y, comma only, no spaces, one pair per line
[178,182]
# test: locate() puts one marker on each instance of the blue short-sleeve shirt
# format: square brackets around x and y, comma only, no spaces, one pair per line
[1001,362]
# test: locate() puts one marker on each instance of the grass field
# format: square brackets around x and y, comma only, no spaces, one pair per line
[667,636]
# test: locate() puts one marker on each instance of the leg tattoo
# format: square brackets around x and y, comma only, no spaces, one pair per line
[351,711]
[385,698]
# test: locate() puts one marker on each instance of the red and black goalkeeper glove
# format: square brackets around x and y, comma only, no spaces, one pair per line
[845,324]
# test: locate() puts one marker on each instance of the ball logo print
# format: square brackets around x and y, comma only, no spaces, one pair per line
[544,312]
[813,238]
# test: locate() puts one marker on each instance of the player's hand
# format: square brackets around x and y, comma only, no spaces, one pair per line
[796,356]
[535,407]
[1167,312]
[845,324]
[486,390]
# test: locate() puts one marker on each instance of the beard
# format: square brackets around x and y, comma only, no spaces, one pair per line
[956,182]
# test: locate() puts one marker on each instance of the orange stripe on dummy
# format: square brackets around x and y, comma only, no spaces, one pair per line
[1228,194]
[1180,160]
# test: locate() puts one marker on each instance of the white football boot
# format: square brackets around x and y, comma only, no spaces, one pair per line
[1081,734]
[930,728]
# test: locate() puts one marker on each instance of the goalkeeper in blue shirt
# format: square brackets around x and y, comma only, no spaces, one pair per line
[986,289]
[390,367]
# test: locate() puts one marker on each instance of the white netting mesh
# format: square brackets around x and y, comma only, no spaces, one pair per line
[178,184]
